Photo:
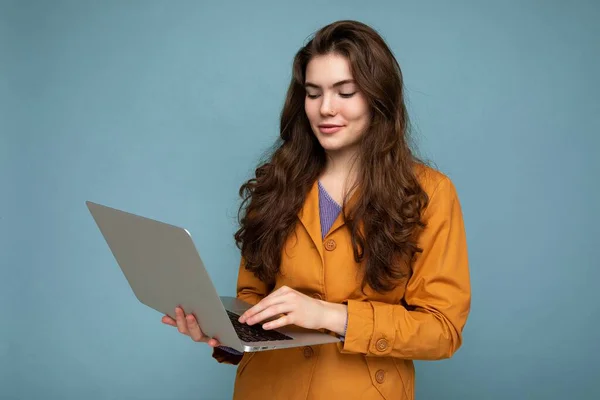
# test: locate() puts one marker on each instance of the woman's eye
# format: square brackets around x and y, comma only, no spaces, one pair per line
[343,95]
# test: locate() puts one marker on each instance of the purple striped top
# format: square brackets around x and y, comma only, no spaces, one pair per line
[328,210]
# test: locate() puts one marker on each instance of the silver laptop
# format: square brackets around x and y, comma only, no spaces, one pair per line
[164,270]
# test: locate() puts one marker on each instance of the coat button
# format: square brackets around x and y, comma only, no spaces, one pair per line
[308,352]
[330,245]
[380,376]
[317,296]
[381,345]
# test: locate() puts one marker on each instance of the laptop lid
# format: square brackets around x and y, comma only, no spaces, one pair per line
[164,269]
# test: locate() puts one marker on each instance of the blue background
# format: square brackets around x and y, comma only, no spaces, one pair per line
[164,109]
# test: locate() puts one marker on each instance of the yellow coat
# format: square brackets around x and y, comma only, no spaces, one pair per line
[383,336]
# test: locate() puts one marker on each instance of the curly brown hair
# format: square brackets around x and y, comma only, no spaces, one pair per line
[385,220]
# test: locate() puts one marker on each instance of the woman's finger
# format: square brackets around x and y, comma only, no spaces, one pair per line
[180,318]
[260,307]
[278,323]
[271,299]
[168,321]
[194,329]
[271,311]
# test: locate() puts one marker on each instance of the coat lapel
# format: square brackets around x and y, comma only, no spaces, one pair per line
[339,221]
[310,218]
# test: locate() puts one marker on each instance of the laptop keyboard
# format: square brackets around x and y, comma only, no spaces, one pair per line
[254,333]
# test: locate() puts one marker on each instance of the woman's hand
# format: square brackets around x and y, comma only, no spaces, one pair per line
[297,309]
[188,325]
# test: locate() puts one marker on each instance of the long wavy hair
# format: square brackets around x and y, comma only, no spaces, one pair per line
[385,220]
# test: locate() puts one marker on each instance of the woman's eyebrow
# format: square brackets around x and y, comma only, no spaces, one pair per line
[340,83]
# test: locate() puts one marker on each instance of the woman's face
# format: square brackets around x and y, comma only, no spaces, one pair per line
[338,113]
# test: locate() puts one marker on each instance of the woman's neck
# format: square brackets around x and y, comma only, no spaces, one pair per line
[341,172]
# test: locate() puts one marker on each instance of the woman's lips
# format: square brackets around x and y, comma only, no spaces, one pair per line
[329,129]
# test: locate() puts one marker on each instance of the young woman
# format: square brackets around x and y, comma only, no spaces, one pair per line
[346,231]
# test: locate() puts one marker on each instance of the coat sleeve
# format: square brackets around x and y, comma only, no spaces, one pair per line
[437,299]
[251,290]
